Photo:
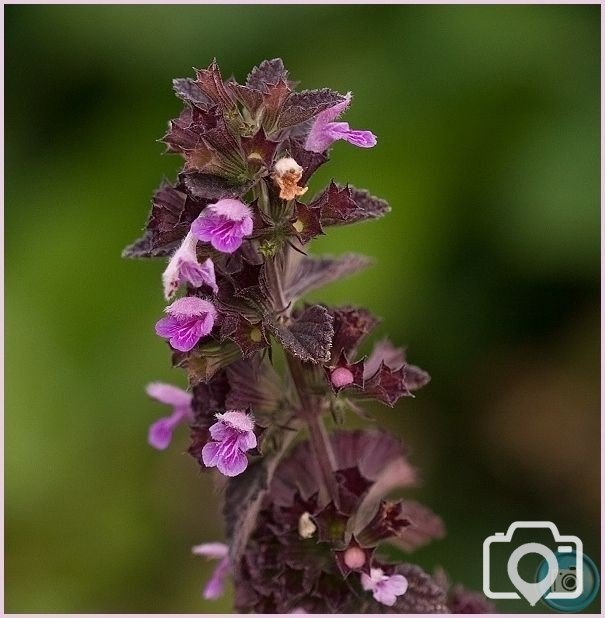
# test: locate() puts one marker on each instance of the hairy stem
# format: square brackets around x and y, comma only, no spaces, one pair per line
[318,437]
[325,456]
[272,272]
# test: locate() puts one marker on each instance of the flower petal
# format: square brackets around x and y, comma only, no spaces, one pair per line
[185,338]
[232,463]
[169,394]
[211,454]
[216,584]
[166,327]
[211,550]
[160,433]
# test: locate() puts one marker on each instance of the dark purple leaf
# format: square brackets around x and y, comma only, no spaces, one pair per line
[309,161]
[256,386]
[388,522]
[308,337]
[306,224]
[394,358]
[188,90]
[251,99]
[268,72]
[424,526]
[351,327]
[172,213]
[387,385]
[341,205]
[259,149]
[211,84]
[305,274]
[302,106]
[369,207]
[250,338]
[210,187]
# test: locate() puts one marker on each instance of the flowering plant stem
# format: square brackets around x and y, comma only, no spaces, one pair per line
[318,438]
[305,523]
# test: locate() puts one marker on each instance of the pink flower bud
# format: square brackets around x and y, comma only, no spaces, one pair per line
[341,377]
[355,557]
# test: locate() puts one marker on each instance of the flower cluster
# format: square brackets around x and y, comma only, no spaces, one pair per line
[308,511]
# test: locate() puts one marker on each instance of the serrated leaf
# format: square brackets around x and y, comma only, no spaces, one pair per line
[187,90]
[342,205]
[351,326]
[268,72]
[301,106]
[172,213]
[308,337]
[211,84]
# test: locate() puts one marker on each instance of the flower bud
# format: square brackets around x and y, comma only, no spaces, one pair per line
[341,377]
[306,527]
[354,557]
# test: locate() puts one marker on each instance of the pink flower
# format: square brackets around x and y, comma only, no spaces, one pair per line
[224,225]
[232,436]
[216,584]
[183,267]
[385,588]
[325,131]
[189,319]
[160,433]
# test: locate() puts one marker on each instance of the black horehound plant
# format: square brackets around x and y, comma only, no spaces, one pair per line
[307,511]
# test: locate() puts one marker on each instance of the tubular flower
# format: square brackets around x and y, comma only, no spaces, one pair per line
[184,267]
[215,588]
[189,319]
[325,131]
[231,437]
[160,433]
[224,225]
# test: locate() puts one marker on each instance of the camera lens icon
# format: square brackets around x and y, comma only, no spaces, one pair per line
[567,581]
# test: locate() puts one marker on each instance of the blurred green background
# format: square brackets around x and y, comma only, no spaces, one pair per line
[487,268]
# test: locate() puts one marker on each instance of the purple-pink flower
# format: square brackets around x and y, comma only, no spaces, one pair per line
[184,267]
[232,436]
[224,225]
[385,588]
[188,320]
[216,584]
[325,131]
[160,433]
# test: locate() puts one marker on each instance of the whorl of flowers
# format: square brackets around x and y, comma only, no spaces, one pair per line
[308,511]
